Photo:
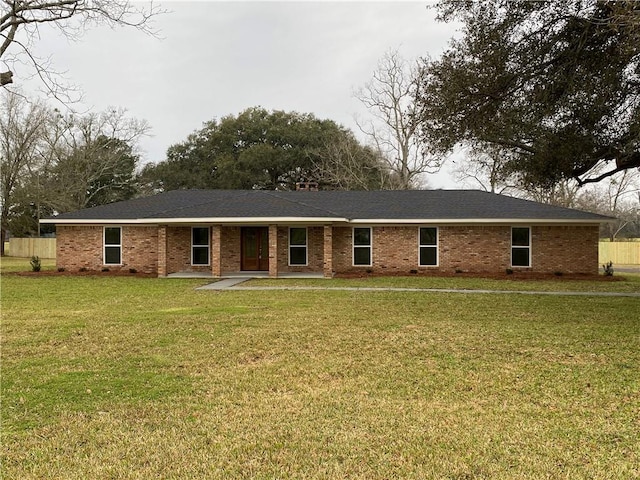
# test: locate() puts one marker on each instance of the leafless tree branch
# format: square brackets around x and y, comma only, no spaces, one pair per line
[391,99]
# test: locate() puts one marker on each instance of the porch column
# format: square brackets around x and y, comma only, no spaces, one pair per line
[273,251]
[216,250]
[328,251]
[162,251]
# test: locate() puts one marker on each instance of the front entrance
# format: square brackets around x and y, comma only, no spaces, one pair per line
[255,249]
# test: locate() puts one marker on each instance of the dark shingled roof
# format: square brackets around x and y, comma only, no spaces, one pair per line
[454,205]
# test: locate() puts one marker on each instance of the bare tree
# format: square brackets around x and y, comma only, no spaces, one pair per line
[21,21]
[619,197]
[564,193]
[22,127]
[486,168]
[92,159]
[391,98]
[344,164]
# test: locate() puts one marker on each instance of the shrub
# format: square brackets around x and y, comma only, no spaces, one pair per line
[608,269]
[35,264]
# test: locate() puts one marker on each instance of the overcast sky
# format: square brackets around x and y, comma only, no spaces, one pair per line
[219,58]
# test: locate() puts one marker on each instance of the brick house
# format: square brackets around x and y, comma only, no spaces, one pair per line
[222,232]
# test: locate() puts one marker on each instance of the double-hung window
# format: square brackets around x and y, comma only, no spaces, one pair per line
[428,247]
[520,247]
[362,246]
[200,246]
[112,246]
[297,246]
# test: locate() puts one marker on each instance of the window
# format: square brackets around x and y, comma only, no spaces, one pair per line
[362,246]
[297,246]
[428,247]
[200,246]
[112,245]
[520,247]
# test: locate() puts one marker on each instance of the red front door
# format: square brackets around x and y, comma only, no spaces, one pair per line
[255,249]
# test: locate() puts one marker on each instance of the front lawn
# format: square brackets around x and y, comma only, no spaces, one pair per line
[127,377]
[620,282]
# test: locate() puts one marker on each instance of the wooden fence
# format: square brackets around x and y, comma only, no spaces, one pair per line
[620,253]
[28,247]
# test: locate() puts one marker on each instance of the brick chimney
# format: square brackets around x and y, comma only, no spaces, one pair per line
[306,186]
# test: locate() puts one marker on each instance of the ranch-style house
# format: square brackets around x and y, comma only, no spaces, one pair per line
[225,232]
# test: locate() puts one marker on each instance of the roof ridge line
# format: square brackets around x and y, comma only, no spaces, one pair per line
[274,193]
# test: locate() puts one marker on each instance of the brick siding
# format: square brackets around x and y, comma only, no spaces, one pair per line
[315,251]
[473,248]
[231,249]
[81,247]
[567,249]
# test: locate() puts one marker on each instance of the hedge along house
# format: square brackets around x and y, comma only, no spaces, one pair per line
[223,232]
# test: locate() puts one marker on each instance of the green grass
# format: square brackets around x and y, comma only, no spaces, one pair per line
[15,264]
[148,378]
[623,282]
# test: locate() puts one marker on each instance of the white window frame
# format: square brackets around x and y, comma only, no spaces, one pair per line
[522,247]
[436,246]
[305,246]
[105,245]
[207,246]
[354,246]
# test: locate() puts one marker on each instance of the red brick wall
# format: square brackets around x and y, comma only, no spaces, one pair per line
[179,251]
[567,249]
[82,247]
[230,249]
[474,248]
[315,251]
[342,250]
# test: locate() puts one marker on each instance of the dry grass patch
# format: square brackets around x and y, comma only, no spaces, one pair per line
[148,378]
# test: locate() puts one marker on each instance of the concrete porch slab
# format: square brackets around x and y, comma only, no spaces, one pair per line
[243,275]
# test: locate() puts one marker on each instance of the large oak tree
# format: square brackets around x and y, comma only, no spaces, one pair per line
[556,84]
[260,149]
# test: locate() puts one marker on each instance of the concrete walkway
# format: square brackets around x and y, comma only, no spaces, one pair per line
[234,284]
[224,284]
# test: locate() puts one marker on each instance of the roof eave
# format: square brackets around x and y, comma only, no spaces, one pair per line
[485,221]
[319,220]
[194,220]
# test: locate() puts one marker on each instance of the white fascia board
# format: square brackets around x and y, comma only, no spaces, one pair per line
[473,221]
[321,221]
[191,221]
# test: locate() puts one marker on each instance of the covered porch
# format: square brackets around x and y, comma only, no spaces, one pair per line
[245,251]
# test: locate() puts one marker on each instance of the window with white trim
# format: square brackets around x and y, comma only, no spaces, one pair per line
[297,246]
[200,246]
[362,246]
[428,248]
[520,246]
[112,246]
